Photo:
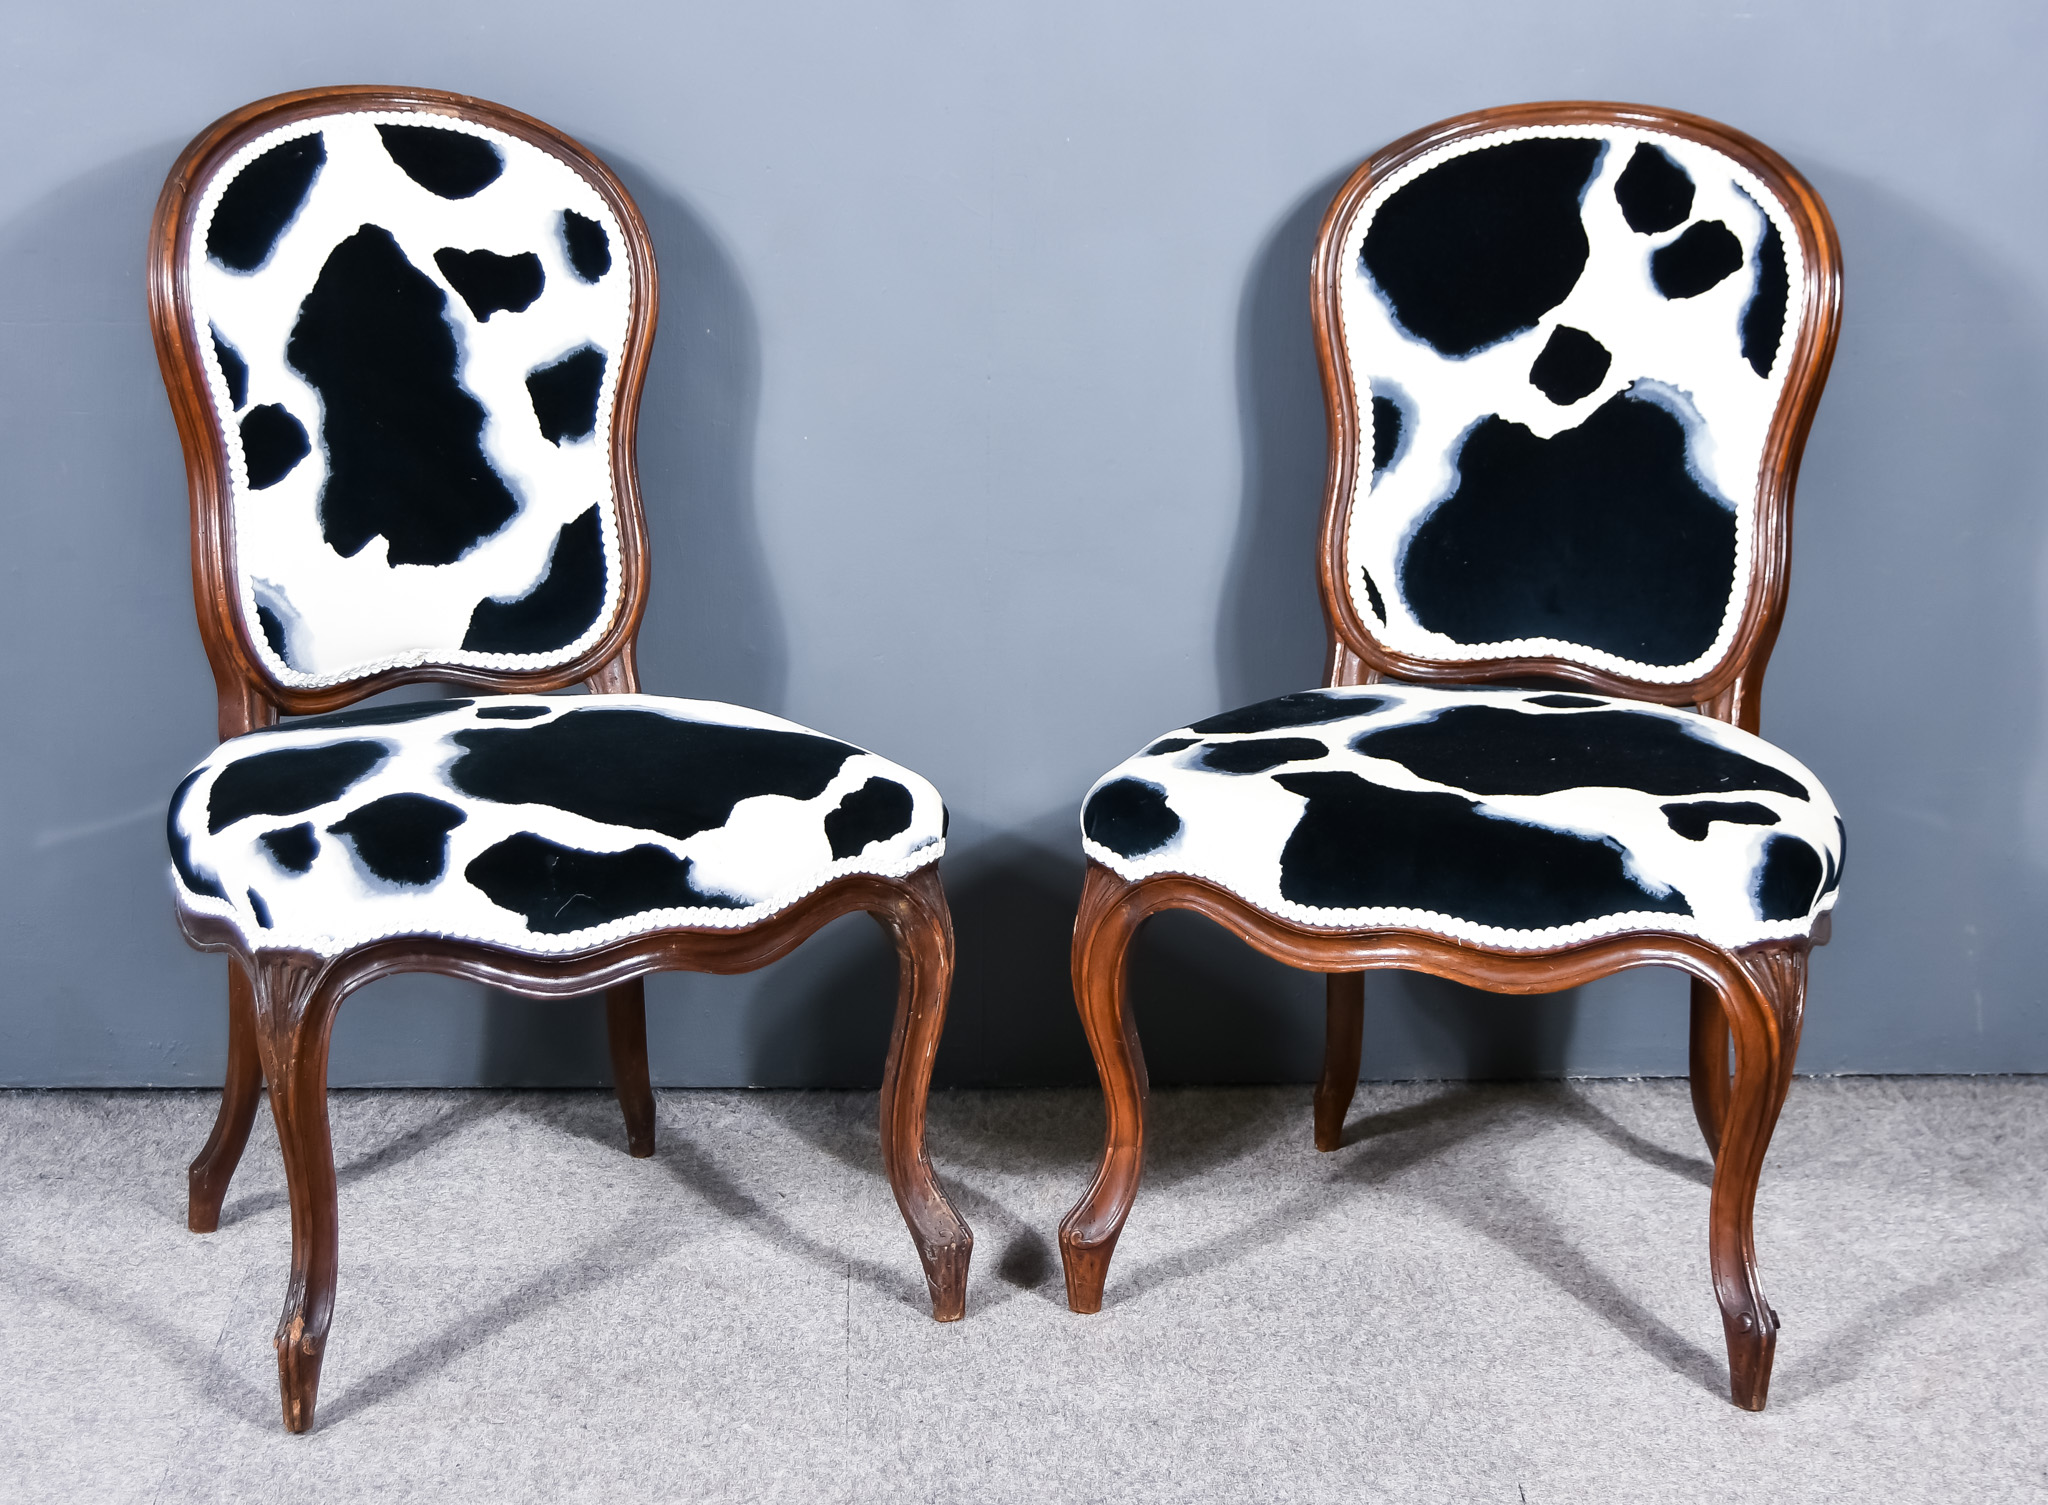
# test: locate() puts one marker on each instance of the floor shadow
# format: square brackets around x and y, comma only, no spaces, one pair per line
[631,1246]
[1844,1353]
[470,1109]
[1698,1169]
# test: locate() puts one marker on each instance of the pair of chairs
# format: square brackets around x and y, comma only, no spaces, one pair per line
[1570,354]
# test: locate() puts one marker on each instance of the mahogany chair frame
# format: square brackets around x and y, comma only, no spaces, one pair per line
[1754,996]
[281,1003]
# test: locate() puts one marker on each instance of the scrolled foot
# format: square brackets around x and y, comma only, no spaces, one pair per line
[945,1276]
[299,1353]
[1752,1343]
[1087,1269]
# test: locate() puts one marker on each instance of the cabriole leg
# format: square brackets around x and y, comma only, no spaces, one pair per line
[1343,1041]
[625,1026]
[293,1017]
[1088,1233]
[1764,1001]
[207,1178]
[922,928]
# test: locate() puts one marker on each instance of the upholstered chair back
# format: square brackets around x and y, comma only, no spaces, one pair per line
[412,329]
[1575,358]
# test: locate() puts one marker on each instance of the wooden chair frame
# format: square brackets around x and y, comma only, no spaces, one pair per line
[1754,996]
[281,1003]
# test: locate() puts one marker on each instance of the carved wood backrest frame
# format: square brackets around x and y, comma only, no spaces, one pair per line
[1731,689]
[249,696]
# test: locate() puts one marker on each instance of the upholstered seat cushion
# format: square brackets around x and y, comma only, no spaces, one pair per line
[543,824]
[1509,818]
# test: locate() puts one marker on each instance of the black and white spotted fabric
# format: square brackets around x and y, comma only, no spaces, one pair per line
[412,327]
[1568,345]
[1506,818]
[542,824]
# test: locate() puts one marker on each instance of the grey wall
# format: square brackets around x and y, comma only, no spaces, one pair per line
[983,429]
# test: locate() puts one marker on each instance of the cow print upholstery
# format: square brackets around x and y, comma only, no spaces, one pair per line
[539,824]
[412,333]
[1505,818]
[1568,344]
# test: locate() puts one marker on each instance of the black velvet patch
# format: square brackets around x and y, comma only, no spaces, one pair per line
[1699,259]
[641,768]
[559,609]
[1303,708]
[490,283]
[874,812]
[294,847]
[1572,366]
[195,881]
[381,715]
[1693,821]
[565,394]
[559,889]
[510,712]
[258,908]
[287,781]
[1599,535]
[1130,817]
[402,838]
[404,439]
[1361,845]
[273,631]
[233,369]
[1483,246]
[1763,322]
[1372,593]
[255,208]
[444,162]
[1567,702]
[1491,750]
[1788,880]
[1654,192]
[1260,755]
[589,248]
[1168,745]
[273,442]
[1386,432]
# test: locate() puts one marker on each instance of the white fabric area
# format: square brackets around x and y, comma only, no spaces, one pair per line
[1682,352]
[771,852]
[348,618]
[1233,827]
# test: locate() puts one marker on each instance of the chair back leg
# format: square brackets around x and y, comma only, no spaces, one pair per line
[625,1027]
[1343,1043]
[922,927]
[207,1178]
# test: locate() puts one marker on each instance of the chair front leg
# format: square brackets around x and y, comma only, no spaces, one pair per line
[1764,1002]
[295,998]
[1102,940]
[625,1027]
[207,1179]
[1343,1043]
[922,927]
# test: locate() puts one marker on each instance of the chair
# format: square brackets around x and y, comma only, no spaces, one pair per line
[404,334]
[1570,354]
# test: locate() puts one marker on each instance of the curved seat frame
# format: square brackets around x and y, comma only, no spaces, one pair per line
[1752,998]
[282,1003]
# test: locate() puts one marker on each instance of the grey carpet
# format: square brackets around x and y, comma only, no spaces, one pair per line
[1490,1294]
